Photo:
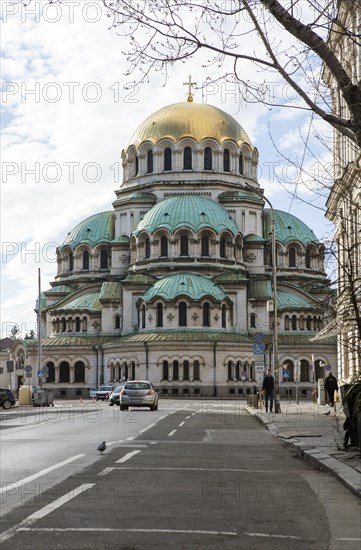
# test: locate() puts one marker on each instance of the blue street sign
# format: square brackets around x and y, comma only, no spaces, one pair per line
[259,349]
[40,374]
[258,338]
[286,374]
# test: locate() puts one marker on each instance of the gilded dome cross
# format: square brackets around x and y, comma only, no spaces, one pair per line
[190,85]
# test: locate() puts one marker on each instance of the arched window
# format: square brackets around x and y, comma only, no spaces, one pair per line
[205,246]
[165,370]
[222,247]
[294,322]
[184,248]
[147,248]
[208,158]
[224,316]
[64,372]
[226,166]
[63,324]
[308,259]
[288,367]
[175,370]
[85,259]
[79,372]
[206,314]
[230,370]
[187,158]
[287,322]
[143,316]
[77,324]
[71,261]
[292,257]
[103,259]
[136,168]
[196,371]
[240,164]
[50,377]
[168,159]
[159,315]
[164,246]
[117,321]
[150,162]
[238,370]
[182,314]
[253,320]
[185,370]
[305,371]
[309,323]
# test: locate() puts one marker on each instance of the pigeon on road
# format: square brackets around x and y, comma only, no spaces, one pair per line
[102,447]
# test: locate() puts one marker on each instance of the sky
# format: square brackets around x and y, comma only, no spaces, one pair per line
[68,110]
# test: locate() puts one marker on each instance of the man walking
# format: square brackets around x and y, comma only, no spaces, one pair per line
[331,386]
[268,389]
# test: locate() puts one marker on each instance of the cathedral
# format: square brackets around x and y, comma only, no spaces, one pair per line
[174,282]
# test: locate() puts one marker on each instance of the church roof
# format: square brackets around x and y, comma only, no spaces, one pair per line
[98,228]
[89,301]
[190,119]
[291,300]
[188,284]
[190,211]
[288,228]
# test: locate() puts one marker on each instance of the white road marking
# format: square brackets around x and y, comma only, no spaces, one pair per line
[162,417]
[272,536]
[127,457]
[349,539]
[187,417]
[39,474]
[172,433]
[130,438]
[105,471]
[39,514]
[147,428]
[181,424]
[195,469]
[120,530]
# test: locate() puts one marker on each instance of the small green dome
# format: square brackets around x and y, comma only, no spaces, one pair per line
[194,286]
[98,228]
[288,228]
[190,211]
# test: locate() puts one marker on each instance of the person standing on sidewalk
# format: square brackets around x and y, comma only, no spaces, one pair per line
[330,387]
[268,389]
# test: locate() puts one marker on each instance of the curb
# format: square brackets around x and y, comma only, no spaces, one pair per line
[317,458]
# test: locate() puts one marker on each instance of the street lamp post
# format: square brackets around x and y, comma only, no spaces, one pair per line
[275,369]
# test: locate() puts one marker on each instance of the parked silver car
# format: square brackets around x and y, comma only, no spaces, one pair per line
[138,393]
[114,396]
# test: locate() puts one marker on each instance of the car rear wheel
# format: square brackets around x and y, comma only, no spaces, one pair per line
[123,408]
[6,404]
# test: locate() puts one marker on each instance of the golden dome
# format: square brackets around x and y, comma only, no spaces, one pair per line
[189,119]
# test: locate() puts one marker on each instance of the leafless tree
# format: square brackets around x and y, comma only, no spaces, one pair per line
[288,38]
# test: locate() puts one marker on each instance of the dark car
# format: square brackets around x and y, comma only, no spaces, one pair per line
[7,398]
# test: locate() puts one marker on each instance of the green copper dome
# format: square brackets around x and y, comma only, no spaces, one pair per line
[98,228]
[190,211]
[288,228]
[190,119]
[194,286]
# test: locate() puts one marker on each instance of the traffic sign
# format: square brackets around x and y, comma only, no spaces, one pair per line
[258,338]
[28,375]
[243,375]
[286,374]
[28,368]
[259,349]
[40,374]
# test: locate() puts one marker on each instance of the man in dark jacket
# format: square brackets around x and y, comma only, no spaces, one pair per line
[331,386]
[268,389]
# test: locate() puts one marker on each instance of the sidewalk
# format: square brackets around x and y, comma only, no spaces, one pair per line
[316,434]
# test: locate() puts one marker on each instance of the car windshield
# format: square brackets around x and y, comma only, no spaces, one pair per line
[105,388]
[118,389]
[137,386]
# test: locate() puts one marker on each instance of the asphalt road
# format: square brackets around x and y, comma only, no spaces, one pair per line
[189,475]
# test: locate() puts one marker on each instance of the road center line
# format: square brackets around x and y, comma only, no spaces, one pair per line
[172,433]
[39,514]
[267,535]
[39,474]
[147,428]
[120,530]
[127,457]
[181,424]
[195,469]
